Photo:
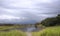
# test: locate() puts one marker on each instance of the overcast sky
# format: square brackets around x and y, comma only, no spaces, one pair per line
[27,11]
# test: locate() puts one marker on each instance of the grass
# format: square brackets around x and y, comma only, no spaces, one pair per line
[50,31]
[5,27]
[13,33]
[9,27]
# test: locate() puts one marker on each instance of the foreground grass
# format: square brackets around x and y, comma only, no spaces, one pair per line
[13,33]
[4,31]
[50,31]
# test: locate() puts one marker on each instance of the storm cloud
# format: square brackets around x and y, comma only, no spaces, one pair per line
[27,11]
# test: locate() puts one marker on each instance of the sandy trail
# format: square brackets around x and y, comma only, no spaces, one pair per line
[28,33]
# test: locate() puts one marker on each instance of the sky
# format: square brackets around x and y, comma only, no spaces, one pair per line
[28,11]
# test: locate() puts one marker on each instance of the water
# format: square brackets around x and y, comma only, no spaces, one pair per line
[29,29]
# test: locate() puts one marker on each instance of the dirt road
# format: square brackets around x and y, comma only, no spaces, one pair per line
[29,33]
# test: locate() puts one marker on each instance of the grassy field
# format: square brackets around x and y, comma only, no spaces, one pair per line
[50,31]
[4,31]
[9,27]
[13,33]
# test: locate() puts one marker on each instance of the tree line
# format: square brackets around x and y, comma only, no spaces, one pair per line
[51,21]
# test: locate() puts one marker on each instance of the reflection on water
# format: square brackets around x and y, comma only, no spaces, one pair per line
[29,29]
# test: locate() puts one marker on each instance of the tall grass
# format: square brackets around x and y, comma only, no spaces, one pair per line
[13,33]
[50,31]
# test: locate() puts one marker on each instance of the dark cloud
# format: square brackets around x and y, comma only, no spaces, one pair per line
[35,10]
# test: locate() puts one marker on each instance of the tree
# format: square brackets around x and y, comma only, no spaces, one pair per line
[51,21]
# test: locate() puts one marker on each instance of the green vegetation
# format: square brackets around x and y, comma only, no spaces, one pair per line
[5,31]
[13,33]
[6,27]
[52,27]
[50,31]
[51,21]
